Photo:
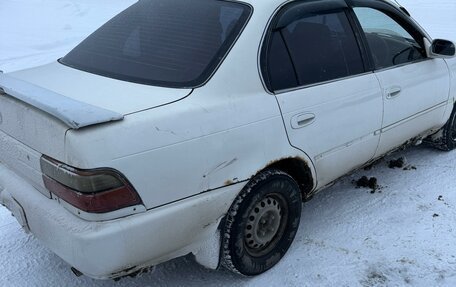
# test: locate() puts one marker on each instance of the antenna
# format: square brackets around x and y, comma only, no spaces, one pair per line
[398,3]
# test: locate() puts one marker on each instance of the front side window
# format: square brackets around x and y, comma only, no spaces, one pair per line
[170,43]
[389,42]
[312,49]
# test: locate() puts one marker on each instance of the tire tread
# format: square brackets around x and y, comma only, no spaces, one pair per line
[226,260]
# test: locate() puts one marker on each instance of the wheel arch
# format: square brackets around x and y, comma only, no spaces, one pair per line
[299,169]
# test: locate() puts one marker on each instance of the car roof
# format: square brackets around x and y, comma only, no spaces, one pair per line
[255,3]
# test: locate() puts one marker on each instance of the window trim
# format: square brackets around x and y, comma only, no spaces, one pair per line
[362,41]
[263,51]
[283,91]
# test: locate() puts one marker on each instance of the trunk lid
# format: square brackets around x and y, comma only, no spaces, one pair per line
[110,94]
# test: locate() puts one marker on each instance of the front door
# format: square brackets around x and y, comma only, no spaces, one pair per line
[415,87]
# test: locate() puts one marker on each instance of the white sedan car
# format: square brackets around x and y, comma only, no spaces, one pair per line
[200,126]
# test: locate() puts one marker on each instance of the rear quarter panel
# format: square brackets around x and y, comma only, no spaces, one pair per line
[190,147]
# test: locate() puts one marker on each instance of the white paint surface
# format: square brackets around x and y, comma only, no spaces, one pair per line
[348,236]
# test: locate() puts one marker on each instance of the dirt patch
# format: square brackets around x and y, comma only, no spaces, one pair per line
[374,278]
[397,163]
[400,163]
[440,198]
[366,182]
[409,167]
[381,275]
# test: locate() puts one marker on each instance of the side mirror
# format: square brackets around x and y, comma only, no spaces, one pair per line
[441,49]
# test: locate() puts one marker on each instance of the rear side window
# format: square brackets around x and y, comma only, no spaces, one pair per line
[171,43]
[312,49]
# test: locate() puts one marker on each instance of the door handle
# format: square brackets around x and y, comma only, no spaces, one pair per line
[393,92]
[302,120]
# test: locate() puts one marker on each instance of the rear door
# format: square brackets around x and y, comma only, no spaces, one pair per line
[331,104]
[415,87]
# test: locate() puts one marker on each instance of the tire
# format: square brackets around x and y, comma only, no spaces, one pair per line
[261,223]
[448,140]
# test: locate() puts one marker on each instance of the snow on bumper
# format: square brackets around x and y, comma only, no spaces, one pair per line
[107,249]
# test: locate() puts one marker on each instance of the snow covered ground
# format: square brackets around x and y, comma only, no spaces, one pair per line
[403,235]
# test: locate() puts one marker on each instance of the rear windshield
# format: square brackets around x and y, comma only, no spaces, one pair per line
[170,43]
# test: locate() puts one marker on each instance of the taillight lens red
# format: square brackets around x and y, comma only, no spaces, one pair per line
[94,191]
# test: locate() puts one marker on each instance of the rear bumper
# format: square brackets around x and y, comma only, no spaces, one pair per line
[114,248]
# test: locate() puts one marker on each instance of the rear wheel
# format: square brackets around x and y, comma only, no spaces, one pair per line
[262,223]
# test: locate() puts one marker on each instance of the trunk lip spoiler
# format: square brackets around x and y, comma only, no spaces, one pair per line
[73,113]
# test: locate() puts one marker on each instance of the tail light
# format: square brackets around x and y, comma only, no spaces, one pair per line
[95,191]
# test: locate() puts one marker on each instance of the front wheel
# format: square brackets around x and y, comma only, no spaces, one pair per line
[261,223]
[447,141]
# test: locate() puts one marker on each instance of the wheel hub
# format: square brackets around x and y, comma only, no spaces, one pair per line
[263,224]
